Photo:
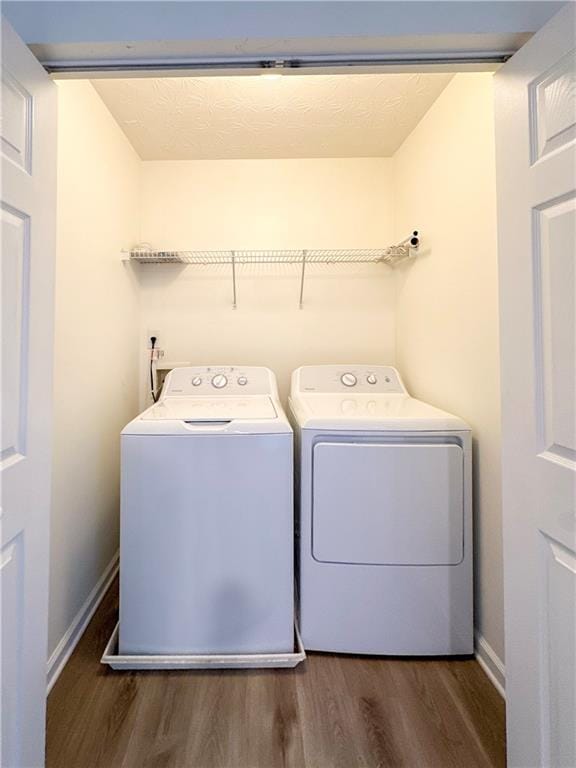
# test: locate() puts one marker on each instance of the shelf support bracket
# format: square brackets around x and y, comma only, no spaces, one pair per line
[234,304]
[302,278]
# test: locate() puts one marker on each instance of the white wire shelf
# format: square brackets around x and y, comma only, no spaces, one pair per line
[391,255]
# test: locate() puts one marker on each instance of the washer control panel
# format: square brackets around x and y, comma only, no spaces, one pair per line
[219,380]
[349,378]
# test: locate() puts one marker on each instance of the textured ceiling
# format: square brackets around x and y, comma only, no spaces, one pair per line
[196,118]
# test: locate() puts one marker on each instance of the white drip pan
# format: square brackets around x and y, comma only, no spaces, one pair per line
[113,659]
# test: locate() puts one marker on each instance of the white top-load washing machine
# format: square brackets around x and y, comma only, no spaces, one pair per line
[206,552]
[385,517]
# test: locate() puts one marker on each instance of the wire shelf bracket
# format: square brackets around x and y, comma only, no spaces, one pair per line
[392,255]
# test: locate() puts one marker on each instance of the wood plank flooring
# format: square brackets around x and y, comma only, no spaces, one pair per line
[332,711]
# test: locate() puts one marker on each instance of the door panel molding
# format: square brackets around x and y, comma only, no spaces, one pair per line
[558,660]
[554,275]
[15,312]
[17,122]
[552,98]
[12,601]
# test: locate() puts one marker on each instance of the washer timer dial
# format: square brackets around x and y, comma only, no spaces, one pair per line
[219,381]
[348,379]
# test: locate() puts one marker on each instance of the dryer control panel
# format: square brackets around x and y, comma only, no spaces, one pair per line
[217,380]
[369,379]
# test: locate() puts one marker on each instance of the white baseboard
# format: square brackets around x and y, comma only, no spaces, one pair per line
[491,663]
[65,647]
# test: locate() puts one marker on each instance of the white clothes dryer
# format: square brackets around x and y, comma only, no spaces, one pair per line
[385,516]
[206,552]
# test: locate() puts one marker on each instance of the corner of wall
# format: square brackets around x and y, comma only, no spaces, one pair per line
[95,375]
[447,304]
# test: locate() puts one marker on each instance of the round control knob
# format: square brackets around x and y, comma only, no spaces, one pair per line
[196,381]
[348,379]
[242,380]
[219,381]
[371,379]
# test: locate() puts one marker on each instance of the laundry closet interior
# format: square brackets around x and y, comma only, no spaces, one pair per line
[261,220]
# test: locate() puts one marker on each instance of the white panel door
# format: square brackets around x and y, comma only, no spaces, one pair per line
[536,159]
[28,136]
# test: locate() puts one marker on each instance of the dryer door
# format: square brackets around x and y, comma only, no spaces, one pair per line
[388,504]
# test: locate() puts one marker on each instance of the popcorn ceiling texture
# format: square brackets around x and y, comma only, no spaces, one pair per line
[210,118]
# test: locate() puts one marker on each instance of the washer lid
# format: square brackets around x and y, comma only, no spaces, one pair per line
[211,409]
[252,415]
[371,412]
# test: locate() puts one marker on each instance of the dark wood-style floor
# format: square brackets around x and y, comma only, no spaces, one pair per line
[333,711]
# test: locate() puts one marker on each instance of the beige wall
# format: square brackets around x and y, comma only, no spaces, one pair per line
[96,363]
[447,302]
[348,313]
